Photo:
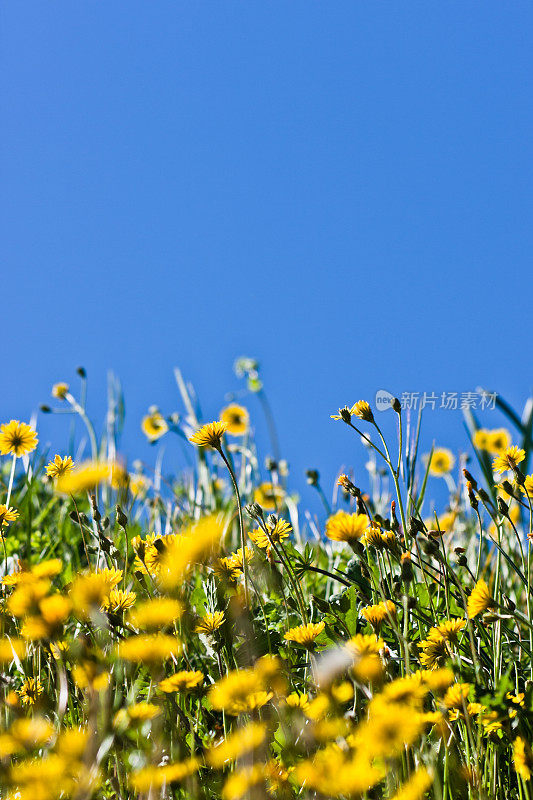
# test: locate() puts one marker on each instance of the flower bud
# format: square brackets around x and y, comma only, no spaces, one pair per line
[121,517]
[503,508]
[254,511]
[96,513]
[312,476]
[470,479]
[407,567]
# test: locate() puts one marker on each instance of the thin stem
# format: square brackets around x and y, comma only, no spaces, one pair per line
[241,521]
[11,476]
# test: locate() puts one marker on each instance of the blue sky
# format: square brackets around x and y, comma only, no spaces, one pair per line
[343,191]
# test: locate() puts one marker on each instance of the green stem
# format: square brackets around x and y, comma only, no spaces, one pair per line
[11,476]
[241,521]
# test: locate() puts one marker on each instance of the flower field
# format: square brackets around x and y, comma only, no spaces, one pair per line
[200,636]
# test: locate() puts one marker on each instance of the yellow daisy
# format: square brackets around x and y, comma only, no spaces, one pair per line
[7,515]
[17,438]
[154,426]
[269,496]
[442,461]
[59,466]
[508,459]
[344,527]
[236,419]
[305,634]
[480,599]
[59,390]
[181,681]
[210,435]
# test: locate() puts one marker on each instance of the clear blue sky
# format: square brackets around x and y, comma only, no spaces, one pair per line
[343,190]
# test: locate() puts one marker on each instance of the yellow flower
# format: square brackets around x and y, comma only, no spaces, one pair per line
[362,645]
[389,728]
[366,648]
[522,758]
[333,772]
[149,648]
[344,527]
[456,695]
[373,537]
[295,700]
[449,629]
[154,426]
[481,439]
[527,488]
[119,600]
[409,690]
[30,691]
[276,533]
[378,613]
[89,674]
[498,440]
[46,569]
[305,634]
[138,485]
[442,461]
[278,780]
[156,613]
[236,419]
[226,571]
[434,652]
[155,549]
[239,691]
[84,477]
[90,591]
[151,778]
[361,410]
[210,622]
[209,435]
[59,390]
[55,608]
[136,714]
[111,574]
[119,477]
[416,787]
[57,648]
[508,459]
[343,413]
[241,781]
[342,692]
[236,559]
[480,599]
[181,681]
[11,647]
[31,733]
[236,744]
[26,597]
[319,707]
[445,523]
[196,545]
[59,466]
[437,680]
[17,438]
[7,515]
[269,496]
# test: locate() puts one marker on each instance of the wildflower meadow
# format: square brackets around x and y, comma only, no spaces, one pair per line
[199,635]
